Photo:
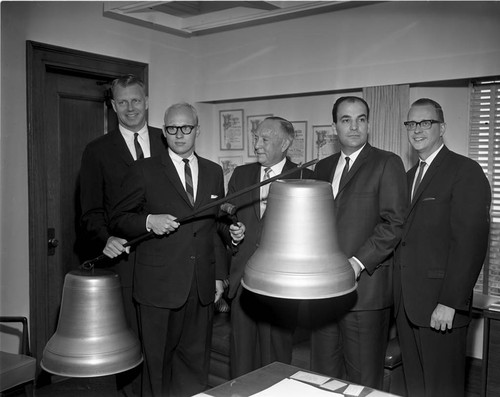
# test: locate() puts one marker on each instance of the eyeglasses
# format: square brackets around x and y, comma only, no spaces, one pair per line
[185,129]
[424,124]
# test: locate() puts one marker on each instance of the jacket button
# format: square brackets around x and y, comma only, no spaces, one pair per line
[403,243]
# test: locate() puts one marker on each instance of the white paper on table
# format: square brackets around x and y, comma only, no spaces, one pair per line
[334,385]
[353,390]
[378,393]
[294,388]
[310,378]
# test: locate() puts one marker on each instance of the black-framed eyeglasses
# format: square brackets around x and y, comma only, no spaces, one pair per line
[185,129]
[424,124]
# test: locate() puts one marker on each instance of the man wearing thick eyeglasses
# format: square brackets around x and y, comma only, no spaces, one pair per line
[175,275]
[438,260]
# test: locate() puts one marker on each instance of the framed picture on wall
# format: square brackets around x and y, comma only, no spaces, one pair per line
[252,123]
[297,152]
[324,141]
[231,129]
[228,164]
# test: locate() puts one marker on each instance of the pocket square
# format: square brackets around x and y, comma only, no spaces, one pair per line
[213,196]
[429,198]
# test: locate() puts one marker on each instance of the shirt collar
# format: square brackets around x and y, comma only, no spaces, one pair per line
[178,159]
[276,168]
[431,158]
[129,133]
[352,156]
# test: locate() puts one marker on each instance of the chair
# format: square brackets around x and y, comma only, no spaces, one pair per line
[18,369]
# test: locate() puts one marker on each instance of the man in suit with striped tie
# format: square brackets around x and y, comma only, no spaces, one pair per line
[180,271]
[444,242]
[105,162]
[262,328]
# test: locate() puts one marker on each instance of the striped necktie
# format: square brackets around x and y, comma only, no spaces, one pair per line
[138,149]
[264,191]
[189,181]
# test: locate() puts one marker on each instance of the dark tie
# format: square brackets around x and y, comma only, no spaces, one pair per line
[138,149]
[345,171]
[189,181]
[265,191]
[419,178]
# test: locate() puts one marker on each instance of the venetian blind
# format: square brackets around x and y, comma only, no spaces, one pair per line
[484,147]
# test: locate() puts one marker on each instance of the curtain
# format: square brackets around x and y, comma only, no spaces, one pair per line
[389,106]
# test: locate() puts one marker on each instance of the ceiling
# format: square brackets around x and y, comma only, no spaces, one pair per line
[195,18]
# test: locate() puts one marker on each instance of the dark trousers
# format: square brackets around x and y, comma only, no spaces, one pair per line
[130,381]
[352,347]
[262,331]
[176,345]
[433,361]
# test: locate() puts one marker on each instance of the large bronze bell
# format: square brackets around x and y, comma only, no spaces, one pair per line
[92,336]
[298,256]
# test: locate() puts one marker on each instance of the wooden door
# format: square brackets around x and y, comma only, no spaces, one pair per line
[68,106]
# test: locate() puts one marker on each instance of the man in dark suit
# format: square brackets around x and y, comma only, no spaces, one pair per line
[370,200]
[262,328]
[175,275]
[441,253]
[105,162]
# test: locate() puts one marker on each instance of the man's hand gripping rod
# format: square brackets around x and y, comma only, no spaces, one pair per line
[91,262]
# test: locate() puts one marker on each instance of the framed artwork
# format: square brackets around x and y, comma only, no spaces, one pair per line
[231,129]
[297,152]
[228,164]
[252,123]
[325,142]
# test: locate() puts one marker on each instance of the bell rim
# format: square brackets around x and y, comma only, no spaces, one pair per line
[305,297]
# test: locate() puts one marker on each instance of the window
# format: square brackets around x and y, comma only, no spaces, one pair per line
[484,147]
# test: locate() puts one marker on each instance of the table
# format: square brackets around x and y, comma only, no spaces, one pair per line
[264,378]
[490,375]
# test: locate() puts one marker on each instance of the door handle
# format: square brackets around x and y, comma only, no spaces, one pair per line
[52,242]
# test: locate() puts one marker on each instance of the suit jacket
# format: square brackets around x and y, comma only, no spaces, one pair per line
[444,240]
[369,214]
[248,212]
[165,266]
[105,162]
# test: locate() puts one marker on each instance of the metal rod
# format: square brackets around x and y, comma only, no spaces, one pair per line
[91,262]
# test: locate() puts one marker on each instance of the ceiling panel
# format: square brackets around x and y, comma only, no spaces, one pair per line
[194,18]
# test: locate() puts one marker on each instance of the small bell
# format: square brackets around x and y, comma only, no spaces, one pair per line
[92,336]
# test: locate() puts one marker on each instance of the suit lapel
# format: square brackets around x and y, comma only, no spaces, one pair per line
[121,147]
[255,176]
[429,175]
[202,188]
[355,167]
[156,145]
[173,176]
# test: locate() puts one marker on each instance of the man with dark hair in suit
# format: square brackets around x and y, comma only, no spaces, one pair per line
[178,275]
[443,246]
[105,162]
[262,329]
[369,187]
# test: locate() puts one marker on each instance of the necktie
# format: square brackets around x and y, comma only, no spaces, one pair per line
[138,149]
[189,181]
[345,171]
[265,191]
[419,177]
